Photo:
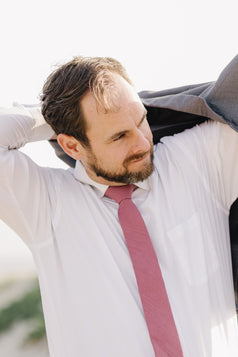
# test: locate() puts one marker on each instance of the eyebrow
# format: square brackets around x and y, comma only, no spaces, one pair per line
[116,135]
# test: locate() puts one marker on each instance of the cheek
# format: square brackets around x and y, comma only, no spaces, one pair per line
[114,157]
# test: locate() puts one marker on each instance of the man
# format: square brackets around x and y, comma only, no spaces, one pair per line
[184,188]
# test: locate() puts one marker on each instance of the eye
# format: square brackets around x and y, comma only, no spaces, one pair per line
[119,137]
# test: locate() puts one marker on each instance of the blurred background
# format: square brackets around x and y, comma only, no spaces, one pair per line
[162,44]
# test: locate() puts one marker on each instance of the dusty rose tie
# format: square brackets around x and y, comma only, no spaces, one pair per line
[157,311]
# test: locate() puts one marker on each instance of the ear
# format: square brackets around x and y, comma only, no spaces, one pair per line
[71,146]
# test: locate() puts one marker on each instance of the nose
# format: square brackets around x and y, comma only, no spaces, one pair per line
[141,142]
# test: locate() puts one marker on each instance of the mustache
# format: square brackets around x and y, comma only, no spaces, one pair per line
[137,156]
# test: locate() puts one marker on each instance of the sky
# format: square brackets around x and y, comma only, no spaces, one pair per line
[162,44]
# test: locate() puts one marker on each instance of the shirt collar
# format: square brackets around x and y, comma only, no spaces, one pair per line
[81,175]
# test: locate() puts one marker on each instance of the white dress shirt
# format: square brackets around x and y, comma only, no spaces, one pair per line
[89,292]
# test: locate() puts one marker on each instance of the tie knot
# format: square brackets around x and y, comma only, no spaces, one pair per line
[120,193]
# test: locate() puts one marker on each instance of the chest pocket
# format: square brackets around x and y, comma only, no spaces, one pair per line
[194,250]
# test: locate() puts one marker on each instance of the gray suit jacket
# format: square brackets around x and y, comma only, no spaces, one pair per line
[216,100]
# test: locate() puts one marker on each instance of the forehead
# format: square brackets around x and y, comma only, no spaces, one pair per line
[126,107]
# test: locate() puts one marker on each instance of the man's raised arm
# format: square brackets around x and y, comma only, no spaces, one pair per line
[24,199]
[22,124]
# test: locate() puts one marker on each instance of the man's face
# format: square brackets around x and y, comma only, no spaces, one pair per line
[121,147]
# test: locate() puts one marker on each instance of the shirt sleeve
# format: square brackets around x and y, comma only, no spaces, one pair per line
[208,153]
[25,204]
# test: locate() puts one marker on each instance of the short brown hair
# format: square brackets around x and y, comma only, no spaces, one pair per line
[65,87]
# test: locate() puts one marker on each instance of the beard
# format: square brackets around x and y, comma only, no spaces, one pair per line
[126,176]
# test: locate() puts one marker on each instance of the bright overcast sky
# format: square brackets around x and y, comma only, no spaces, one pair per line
[162,44]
